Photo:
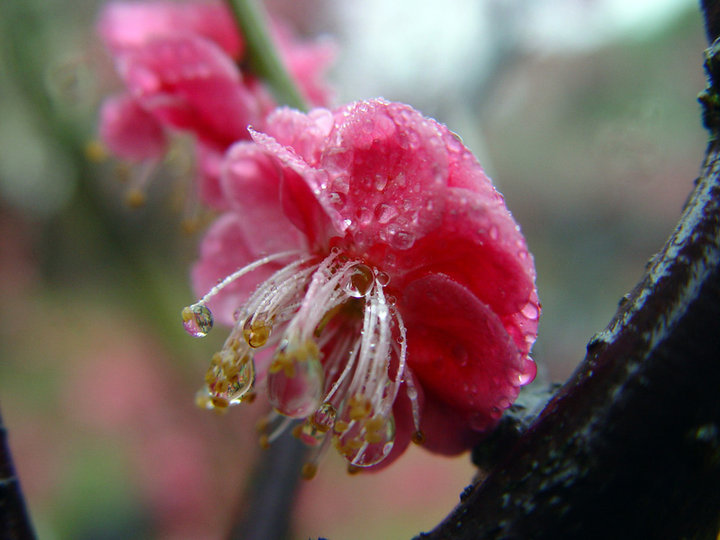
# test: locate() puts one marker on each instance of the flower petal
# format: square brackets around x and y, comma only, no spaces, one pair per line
[460,351]
[300,193]
[124,25]
[231,243]
[190,83]
[388,170]
[129,131]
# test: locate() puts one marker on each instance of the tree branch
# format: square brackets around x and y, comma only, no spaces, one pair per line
[630,445]
[14,519]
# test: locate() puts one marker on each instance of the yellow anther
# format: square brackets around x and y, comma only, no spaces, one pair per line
[283,362]
[341,426]
[189,226]
[264,441]
[262,424]
[374,424]
[354,444]
[217,358]
[373,437]
[95,151]
[309,470]
[418,437]
[219,402]
[256,332]
[297,431]
[135,198]
[210,376]
[202,400]
[231,371]
[359,412]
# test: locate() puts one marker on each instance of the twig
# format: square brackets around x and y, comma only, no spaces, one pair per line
[262,56]
[264,513]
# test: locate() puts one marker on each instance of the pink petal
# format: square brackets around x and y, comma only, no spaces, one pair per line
[447,432]
[189,83]
[460,351]
[124,25]
[209,169]
[388,174]
[479,245]
[231,243]
[129,131]
[252,183]
[300,193]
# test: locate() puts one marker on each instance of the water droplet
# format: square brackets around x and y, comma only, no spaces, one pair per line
[256,331]
[530,311]
[366,442]
[383,278]
[242,383]
[295,380]
[365,216]
[493,232]
[384,213]
[337,199]
[360,282]
[324,417]
[341,184]
[523,378]
[197,320]
[402,240]
[380,182]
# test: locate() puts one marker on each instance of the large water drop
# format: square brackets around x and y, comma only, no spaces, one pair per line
[197,320]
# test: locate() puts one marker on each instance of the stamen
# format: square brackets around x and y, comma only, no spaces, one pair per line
[333,329]
[135,196]
[295,379]
[247,269]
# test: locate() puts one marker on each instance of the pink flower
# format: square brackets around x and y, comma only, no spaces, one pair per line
[396,298]
[179,62]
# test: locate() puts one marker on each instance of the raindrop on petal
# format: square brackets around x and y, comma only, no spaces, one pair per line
[531,311]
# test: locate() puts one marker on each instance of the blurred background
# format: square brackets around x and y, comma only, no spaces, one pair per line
[584,113]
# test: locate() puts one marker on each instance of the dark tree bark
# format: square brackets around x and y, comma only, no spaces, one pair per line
[629,447]
[14,520]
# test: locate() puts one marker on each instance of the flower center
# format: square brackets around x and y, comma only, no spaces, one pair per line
[338,350]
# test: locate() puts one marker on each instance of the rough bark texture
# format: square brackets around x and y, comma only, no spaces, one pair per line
[630,446]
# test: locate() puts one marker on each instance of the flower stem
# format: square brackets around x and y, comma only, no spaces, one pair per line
[262,56]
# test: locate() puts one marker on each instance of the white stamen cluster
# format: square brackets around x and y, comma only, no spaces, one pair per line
[339,355]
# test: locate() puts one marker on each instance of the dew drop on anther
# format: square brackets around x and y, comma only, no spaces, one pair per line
[197,320]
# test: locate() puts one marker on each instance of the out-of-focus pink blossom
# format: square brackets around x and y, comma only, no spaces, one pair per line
[397,297]
[180,64]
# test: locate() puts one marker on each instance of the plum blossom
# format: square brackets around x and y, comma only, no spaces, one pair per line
[180,63]
[385,293]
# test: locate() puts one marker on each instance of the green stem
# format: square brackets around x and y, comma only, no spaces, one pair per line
[261,54]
